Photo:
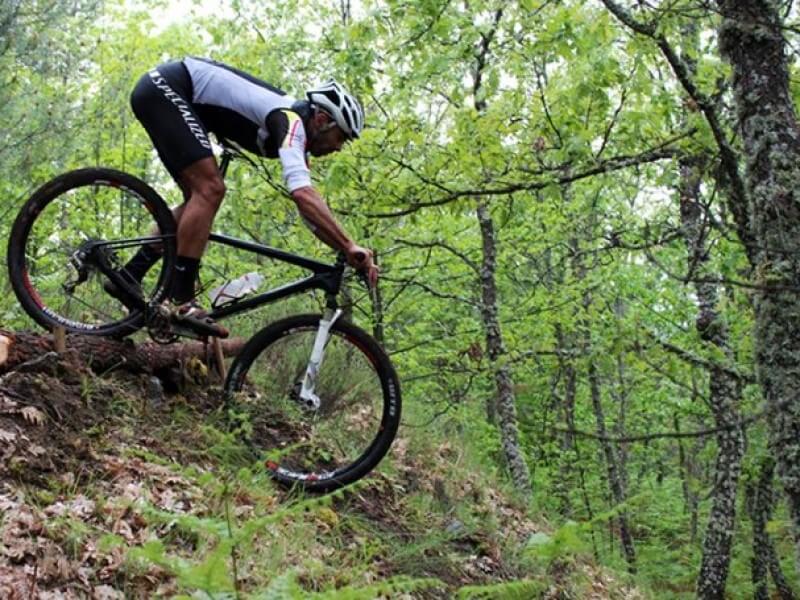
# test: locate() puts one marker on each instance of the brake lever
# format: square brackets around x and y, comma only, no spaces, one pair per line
[341,258]
[364,279]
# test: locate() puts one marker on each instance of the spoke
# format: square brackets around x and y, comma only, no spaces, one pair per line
[94,309]
[332,438]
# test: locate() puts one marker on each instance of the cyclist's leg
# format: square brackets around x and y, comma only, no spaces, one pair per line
[161,102]
[149,255]
[206,191]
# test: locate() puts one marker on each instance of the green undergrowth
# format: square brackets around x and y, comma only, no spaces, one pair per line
[165,502]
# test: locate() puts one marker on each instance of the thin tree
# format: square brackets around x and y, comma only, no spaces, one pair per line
[505,402]
[760,502]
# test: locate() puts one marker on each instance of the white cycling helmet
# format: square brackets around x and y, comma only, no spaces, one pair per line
[344,108]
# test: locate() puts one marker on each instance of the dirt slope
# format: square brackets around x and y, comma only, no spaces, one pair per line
[111,487]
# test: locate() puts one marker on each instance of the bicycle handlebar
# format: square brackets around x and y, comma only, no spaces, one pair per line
[341,259]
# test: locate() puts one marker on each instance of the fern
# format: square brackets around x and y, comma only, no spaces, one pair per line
[212,575]
[513,590]
[285,587]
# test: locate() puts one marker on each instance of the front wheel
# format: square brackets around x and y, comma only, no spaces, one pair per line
[344,434]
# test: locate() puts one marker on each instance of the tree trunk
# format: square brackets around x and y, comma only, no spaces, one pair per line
[751,39]
[615,480]
[499,360]
[622,412]
[567,459]
[759,502]
[725,392]
[690,498]
[722,519]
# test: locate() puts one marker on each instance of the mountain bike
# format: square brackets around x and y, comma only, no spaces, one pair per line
[318,396]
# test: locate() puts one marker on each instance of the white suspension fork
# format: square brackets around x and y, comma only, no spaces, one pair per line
[307,396]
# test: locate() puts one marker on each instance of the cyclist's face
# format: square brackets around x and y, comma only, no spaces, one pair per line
[329,138]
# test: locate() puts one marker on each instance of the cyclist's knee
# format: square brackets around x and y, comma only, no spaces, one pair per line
[210,192]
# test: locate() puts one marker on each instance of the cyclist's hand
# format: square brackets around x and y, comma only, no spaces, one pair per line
[361,258]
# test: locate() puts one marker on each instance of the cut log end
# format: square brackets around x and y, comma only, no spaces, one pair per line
[5,344]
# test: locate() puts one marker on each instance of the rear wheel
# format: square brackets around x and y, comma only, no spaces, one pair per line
[348,432]
[68,215]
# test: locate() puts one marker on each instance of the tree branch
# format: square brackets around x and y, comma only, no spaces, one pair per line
[438,244]
[730,160]
[607,166]
[739,424]
[698,361]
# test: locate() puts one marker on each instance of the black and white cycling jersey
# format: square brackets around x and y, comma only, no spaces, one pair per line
[180,102]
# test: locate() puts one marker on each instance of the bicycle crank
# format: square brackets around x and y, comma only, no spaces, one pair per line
[159,325]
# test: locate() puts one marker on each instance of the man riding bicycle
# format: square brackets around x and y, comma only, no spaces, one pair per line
[179,103]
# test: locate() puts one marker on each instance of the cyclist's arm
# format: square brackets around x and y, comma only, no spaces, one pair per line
[320,220]
[287,127]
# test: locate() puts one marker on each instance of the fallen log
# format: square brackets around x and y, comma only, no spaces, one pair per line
[102,354]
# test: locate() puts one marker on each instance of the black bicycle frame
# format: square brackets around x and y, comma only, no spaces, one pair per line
[325,277]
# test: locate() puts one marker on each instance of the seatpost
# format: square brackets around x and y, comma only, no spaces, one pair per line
[223,165]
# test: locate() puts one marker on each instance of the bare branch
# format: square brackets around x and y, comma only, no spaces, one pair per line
[439,244]
[698,361]
[435,293]
[607,166]
[739,424]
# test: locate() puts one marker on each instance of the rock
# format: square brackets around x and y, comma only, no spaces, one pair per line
[455,528]
[154,391]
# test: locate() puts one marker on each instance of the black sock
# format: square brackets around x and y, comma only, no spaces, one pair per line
[182,289]
[140,264]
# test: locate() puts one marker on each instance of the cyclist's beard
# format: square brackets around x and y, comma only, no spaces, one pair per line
[313,146]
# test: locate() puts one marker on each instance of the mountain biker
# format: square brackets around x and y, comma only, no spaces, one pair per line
[179,103]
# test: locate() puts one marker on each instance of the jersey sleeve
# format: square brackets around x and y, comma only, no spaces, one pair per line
[286,129]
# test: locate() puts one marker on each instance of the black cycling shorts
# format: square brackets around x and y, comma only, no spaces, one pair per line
[162,101]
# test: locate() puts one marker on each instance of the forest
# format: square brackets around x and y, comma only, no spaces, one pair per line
[585,217]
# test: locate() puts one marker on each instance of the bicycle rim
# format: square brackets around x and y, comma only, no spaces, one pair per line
[339,441]
[87,207]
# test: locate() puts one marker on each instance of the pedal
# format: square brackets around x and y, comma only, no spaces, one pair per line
[193,323]
[188,332]
[165,329]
